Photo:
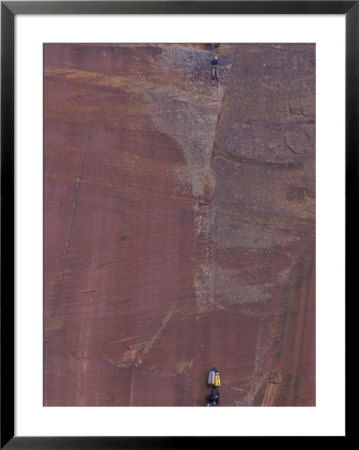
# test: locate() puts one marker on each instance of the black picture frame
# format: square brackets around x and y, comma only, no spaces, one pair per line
[9,9]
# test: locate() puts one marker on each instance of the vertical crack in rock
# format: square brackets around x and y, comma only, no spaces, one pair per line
[259,375]
[191,118]
[71,225]
[206,279]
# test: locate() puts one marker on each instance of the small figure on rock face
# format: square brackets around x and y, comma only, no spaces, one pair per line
[213,397]
[213,382]
[215,68]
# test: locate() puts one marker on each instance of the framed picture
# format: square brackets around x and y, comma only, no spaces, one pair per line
[174,220]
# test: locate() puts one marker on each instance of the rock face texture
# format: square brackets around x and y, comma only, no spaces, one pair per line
[179,224]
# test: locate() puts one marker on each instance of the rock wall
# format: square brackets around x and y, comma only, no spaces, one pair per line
[179,224]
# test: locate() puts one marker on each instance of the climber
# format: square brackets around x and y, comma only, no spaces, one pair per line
[213,397]
[213,382]
[215,68]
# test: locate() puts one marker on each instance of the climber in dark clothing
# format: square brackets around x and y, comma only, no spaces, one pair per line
[215,68]
[213,397]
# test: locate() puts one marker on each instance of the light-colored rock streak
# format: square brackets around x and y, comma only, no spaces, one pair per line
[158,333]
[133,355]
[190,118]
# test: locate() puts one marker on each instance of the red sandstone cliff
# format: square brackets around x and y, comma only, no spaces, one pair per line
[179,224]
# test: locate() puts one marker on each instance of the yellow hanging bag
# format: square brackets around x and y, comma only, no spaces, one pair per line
[217,380]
